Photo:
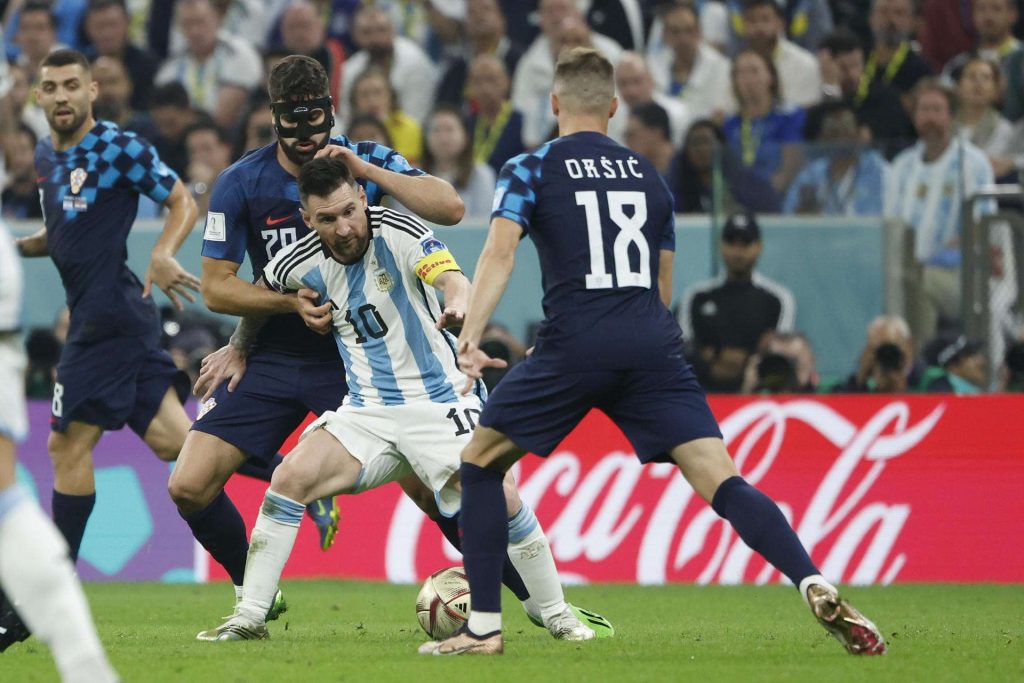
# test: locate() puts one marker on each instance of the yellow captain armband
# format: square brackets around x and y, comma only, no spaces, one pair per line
[435,263]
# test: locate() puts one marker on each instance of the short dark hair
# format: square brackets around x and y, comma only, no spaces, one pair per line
[170,95]
[933,84]
[42,6]
[370,120]
[653,115]
[66,57]
[320,177]
[296,78]
[210,125]
[586,76]
[671,6]
[753,4]
[97,5]
[841,41]
[817,114]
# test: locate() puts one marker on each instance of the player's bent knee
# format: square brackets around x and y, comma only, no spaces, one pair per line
[66,453]
[292,480]
[190,496]
[513,502]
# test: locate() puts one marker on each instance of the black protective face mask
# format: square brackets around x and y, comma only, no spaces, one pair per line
[301,113]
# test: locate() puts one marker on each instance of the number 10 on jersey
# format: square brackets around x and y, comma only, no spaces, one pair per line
[630,233]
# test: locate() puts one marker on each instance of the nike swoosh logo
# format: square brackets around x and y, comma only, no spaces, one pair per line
[275,221]
[40,179]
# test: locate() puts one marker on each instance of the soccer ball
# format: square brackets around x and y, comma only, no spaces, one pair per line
[443,603]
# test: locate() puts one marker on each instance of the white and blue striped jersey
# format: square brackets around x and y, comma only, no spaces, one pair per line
[384,312]
[10,283]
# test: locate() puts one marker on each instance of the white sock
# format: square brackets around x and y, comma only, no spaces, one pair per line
[531,556]
[269,547]
[482,623]
[807,582]
[238,594]
[40,580]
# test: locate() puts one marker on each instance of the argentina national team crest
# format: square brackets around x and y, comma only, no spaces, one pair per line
[385,282]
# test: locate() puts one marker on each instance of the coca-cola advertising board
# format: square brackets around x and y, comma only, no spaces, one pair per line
[880,489]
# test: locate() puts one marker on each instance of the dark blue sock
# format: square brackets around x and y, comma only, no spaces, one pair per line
[484,534]
[256,470]
[449,526]
[762,526]
[220,529]
[70,515]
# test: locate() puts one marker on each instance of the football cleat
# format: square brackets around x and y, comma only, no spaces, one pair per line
[464,642]
[12,629]
[601,627]
[325,513]
[277,607]
[852,629]
[235,628]
[567,626]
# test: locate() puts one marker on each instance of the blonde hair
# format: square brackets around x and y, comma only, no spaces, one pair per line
[584,81]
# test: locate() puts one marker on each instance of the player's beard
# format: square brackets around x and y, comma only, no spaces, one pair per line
[78,117]
[353,252]
[300,158]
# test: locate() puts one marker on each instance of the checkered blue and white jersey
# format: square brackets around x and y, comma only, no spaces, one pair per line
[384,309]
[90,196]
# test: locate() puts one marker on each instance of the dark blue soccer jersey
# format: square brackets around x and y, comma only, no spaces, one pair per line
[254,209]
[599,215]
[90,195]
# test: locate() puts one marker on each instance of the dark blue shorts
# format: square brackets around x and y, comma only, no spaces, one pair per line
[111,382]
[274,396]
[536,405]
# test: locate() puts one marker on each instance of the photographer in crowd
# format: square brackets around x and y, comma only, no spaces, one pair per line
[784,364]
[887,361]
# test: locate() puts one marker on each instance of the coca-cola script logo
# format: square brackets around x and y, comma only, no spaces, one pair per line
[608,518]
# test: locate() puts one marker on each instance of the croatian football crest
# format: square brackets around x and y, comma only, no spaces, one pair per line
[78,177]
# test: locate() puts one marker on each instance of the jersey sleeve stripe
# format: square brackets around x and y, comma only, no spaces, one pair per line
[406,224]
[292,261]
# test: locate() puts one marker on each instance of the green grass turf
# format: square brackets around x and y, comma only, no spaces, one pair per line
[348,631]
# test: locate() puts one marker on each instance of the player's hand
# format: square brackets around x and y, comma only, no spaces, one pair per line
[317,318]
[450,317]
[171,278]
[472,362]
[226,363]
[355,163]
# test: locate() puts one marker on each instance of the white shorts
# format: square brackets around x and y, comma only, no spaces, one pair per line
[420,437]
[13,418]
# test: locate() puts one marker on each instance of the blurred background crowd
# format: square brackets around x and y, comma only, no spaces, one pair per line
[896,109]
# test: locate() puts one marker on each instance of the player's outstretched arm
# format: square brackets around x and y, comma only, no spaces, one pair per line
[33,245]
[225,292]
[164,269]
[426,196]
[456,288]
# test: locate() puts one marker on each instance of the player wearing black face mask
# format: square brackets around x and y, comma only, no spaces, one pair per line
[303,127]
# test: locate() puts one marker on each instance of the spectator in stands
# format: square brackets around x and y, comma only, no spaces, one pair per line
[647,133]
[20,194]
[797,69]
[893,60]
[448,155]
[689,68]
[993,23]
[209,153]
[373,94]
[114,97]
[36,36]
[877,105]
[304,32]
[217,69]
[1013,97]
[1011,374]
[888,363]
[765,133]
[21,103]
[43,348]
[485,37]
[171,114]
[784,363]
[531,83]
[407,67]
[366,127]
[497,126]
[956,366]
[725,318]
[635,87]
[806,22]
[106,25]
[498,342]
[978,86]
[930,181]
[848,179]
[258,129]
[692,177]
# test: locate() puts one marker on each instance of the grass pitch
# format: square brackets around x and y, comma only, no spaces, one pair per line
[349,631]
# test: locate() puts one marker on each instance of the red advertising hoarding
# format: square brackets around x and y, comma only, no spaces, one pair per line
[881,489]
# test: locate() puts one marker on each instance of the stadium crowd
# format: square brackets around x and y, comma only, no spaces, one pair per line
[892,108]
